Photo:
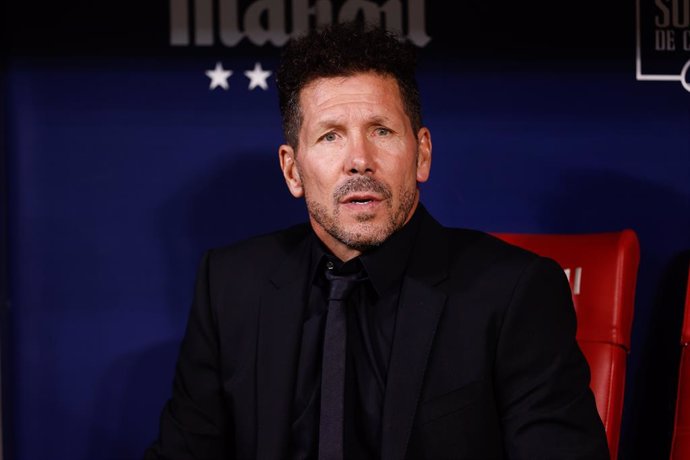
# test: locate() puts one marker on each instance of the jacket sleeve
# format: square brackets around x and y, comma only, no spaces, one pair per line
[194,423]
[542,378]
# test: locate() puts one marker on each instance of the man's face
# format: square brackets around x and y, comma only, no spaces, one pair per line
[358,161]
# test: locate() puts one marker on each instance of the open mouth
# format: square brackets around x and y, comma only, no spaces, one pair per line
[360,200]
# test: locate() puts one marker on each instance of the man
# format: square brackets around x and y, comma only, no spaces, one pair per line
[457,344]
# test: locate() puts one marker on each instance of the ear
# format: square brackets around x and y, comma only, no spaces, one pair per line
[423,155]
[286,154]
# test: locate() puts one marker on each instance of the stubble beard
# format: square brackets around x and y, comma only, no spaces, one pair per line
[367,233]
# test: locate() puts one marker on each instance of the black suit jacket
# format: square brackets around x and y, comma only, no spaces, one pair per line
[484,362]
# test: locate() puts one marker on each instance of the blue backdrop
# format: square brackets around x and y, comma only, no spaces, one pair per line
[121,166]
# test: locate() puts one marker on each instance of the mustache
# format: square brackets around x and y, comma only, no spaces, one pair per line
[361,184]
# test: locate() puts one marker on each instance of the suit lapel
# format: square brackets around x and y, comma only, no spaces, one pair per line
[419,310]
[280,326]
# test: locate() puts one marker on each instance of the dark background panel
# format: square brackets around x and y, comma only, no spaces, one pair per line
[466,27]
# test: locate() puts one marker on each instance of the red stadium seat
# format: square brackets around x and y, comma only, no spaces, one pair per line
[680,446]
[602,270]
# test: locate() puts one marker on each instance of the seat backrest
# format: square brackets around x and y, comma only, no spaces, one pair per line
[680,446]
[602,269]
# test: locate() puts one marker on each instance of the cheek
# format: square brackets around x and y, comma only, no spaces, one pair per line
[315,182]
[408,175]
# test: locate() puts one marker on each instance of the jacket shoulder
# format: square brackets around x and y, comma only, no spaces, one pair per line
[476,254]
[484,246]
[258,254]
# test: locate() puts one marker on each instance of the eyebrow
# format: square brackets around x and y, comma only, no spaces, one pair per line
[328,123]
[380,120]
[337,122]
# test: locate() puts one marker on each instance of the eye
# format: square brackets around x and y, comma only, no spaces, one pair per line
[329,137]
[382,131]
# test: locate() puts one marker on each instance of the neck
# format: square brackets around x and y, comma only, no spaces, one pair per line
[339,249]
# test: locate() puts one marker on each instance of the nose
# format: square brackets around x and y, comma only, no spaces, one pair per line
[360,156]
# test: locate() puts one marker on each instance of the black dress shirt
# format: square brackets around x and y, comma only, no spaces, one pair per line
[371,315]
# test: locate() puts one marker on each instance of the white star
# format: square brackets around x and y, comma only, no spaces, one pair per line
[219,76]
[257,77]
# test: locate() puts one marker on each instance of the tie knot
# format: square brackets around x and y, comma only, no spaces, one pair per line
[342,285]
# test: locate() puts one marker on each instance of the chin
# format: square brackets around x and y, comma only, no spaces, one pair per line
[363,244]
[362,237]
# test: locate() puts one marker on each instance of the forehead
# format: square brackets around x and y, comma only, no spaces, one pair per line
[364,91]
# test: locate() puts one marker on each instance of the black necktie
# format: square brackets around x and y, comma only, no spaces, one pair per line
[333,365]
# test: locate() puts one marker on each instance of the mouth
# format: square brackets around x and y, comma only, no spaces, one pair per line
[361,199]
[362,195]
